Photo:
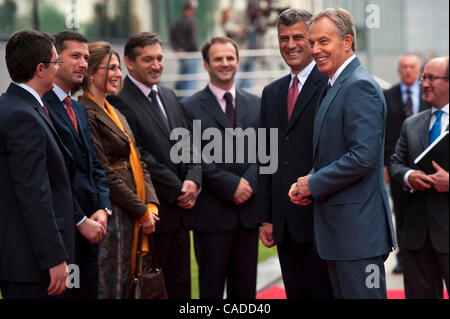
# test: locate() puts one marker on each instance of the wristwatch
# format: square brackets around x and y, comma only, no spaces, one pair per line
[108,211]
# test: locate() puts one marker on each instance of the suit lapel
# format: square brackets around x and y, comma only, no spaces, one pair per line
[144,104]
[281,96]
[169,107]
[212,107]
[308,91]
[241,109]
[424,129]
[326,102]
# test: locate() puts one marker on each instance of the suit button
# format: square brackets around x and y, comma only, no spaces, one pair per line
[285,163]
[287,138]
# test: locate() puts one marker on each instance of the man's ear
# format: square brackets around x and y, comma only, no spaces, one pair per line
[128,63]
[40,69]
[206,66]
[348,42]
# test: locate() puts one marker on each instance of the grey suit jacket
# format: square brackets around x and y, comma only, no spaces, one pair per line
[427,211]
[352,217]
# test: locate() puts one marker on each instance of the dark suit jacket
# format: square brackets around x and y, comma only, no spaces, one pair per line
[113,150]
[425,212]
[89,184]
[294,155]
[36,204]
[154,143]
[352,217]
[215,210]
[395,117]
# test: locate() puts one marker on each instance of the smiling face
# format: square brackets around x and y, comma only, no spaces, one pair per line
[148,65]
[113,74]
[436,93]
[223,64]
[75,62]
[327,49]
[294,46]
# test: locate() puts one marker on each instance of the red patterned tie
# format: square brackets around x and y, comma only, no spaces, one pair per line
[292,97]
[70,112]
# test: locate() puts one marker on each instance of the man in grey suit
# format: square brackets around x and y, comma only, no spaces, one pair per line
[352,219]
[153,111]
[225,222]
[425,232]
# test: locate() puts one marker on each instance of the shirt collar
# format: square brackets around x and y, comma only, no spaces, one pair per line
[413,88]
[144,88]
[444,109]
[219,93]
[31,91]
[303,74]
[341,68]
[60,93]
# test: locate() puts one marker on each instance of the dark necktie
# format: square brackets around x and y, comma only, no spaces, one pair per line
[407,107]
[229,111]
[164,120]
[292,97]
[436,128]
[70,112]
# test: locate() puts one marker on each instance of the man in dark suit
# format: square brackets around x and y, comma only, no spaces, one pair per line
[290,107]
[36,204]
[425,232]
[402,101]
[225,224]
[152,112]
[89,182]
[352,219]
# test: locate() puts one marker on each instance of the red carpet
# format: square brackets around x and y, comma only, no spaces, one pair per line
[279,293]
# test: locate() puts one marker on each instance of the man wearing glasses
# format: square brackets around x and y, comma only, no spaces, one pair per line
[402,101]
[36,204]
[425,232]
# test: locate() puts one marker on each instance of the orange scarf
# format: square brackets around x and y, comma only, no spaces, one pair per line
[138,176]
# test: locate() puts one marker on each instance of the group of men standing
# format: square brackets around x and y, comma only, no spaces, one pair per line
[326,207]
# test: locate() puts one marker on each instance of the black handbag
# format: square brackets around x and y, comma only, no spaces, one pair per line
[148,285]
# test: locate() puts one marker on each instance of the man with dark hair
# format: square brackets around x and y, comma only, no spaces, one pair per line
[289,104]
[89,182]
[402,101]
[225,221]
[352,218]
[36,204]
[153,111]
[184,38]
[425,230]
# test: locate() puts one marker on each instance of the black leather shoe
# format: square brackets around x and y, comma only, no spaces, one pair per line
[398,269]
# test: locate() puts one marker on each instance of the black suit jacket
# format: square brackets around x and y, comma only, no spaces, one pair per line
[294,155]
[36,204]
[89,184]
[426,212]
[153,141]
[215,210]
[395,117]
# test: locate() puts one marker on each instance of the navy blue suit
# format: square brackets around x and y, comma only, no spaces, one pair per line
[352,218]
[36,204]
[89,184]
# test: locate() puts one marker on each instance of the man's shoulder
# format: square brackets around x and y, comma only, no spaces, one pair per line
[277,83]
[414,119]
[251,98]
[192,101]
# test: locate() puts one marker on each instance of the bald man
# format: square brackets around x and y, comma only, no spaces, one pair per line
[402,100]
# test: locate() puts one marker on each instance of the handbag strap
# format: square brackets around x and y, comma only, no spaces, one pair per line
[136,253]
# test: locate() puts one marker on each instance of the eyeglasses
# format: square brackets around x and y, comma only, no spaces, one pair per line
[56,62]
[112,67]
[431,78]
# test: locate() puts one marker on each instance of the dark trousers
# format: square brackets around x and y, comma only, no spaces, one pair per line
[423,273]
[86,258]
[305,275]
[174,258]
[228,256]
[358,279]
[398,199]
[26,290]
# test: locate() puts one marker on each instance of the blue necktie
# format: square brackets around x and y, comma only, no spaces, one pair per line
[436,129]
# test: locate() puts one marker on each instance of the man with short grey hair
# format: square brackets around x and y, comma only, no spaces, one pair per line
[352,219]
[289,104]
